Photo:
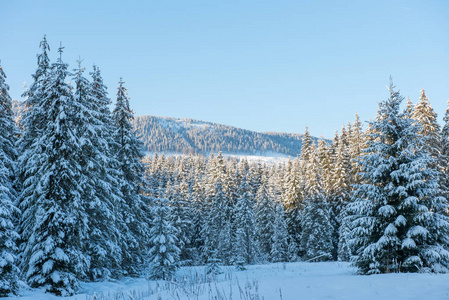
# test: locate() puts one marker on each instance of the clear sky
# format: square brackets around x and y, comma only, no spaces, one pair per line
[259,65]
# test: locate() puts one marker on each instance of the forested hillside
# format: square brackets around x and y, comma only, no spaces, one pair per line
[163,134]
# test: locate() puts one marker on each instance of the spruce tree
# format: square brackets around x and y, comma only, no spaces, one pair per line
[245,247]
[164,254]
[279,239]
[424,114]
[398,220]
[180,217]
[54,222]
[8,130]
[264,218]
[444,157]
[198,220]
[100,194]
[8,211]
[134,207]
[217,231]
[293,201]
[317,231]
[34,118]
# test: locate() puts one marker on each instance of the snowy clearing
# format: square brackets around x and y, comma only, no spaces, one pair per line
[287,281]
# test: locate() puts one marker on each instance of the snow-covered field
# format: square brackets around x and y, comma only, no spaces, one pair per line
[286,281]
[267,157]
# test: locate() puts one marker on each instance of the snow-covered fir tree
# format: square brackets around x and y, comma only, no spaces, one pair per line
[279,239]
[245,247]
[180,217]
[293,201]
[444,157]
[264,218]
[398,220]
[54,222]
[424,114]
[198,220]
[134,208]
[217,231]
[317,231]
[9,271]
[8,130]
[100,193]
[163,254]
[33,120]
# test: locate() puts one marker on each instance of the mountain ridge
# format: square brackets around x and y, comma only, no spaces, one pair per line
[186,135]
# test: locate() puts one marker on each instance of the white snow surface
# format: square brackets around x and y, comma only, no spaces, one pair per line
[265,157]
[325,280]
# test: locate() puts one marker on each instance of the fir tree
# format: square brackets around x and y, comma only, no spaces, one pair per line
[317,231]
[98,180]
[217,232]
[424,114]
[8,235]
[398,222]
[8,130]
[34,118]
[8,212]
[264,218]
[54,223]
[180,217]
[279,239]
[244,223]
[293,198]
[134,208]
[164,254]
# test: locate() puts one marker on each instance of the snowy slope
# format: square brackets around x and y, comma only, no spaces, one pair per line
[287,281]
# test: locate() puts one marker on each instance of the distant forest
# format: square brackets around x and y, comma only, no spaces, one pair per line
[187,136]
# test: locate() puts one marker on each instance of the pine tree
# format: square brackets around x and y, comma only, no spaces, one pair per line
[134,208]
[164,254]
[54,223]
[8,212]
[398,222]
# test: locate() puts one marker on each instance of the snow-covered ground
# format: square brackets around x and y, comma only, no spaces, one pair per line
[267,157]
[286,281]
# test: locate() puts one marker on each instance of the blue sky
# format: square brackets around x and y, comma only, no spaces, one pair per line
[260,65]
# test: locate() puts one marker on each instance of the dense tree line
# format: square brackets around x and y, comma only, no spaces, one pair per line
[79,202]
[376,196]
[72,200]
